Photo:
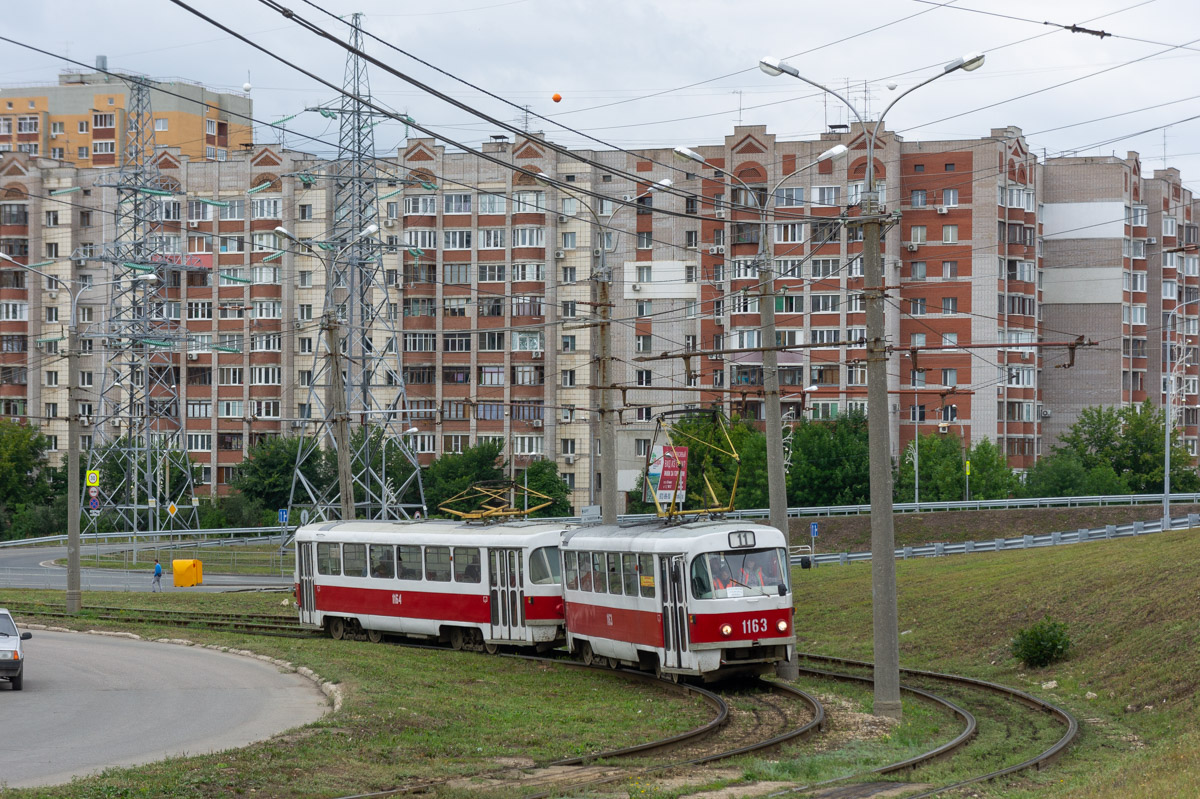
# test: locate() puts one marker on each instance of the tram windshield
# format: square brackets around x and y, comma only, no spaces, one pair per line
[740,572]
[544,566]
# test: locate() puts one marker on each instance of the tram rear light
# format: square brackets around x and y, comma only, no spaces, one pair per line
[726,629]
[782,625]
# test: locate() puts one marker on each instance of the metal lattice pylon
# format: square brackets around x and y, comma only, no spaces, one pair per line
[358,334]
[137,423]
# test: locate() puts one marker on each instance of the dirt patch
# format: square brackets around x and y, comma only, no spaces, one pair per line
[843,723]
[853,533]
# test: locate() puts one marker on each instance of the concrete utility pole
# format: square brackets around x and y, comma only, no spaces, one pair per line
[74,587]
[883,542]
[608,415]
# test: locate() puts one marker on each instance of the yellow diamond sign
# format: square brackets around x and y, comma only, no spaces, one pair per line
[171,509]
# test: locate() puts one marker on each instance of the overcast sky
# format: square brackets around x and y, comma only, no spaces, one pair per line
[666,72]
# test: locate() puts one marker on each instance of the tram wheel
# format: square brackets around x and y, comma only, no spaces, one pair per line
[456,639]
[337,628]
[374,636]
[491,648]
[586,654]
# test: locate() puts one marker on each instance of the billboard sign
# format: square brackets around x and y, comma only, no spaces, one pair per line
[666,475]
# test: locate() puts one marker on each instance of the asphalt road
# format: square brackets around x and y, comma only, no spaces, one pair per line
[32,567]
[91,702]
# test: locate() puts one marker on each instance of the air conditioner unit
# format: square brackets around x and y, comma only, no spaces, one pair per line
[568,459]
[53,295]
[296,425]
[536,422]
[192,356]
[627,198]
[563,218]
[720,214]
[297,324]
[1151,240]
[85,421]
[193,223]
[911,246]
[637,286]
[538,355]
[389,223]
[80,262]
[116,422]
[941,209]
[1045,413]
[560,254]
[596,252]
[720,248]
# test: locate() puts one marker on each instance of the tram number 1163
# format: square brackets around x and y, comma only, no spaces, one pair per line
[754,626]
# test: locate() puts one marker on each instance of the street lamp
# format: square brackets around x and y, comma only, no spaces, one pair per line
[776,478]
[601,281]
[74,593]
[341,418]
[883,541]
[942,427]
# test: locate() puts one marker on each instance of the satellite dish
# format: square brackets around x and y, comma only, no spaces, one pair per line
[246,87]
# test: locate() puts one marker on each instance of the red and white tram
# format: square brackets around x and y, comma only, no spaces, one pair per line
[706,599]
[471,585]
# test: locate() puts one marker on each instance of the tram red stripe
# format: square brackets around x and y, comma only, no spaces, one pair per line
[469,608]
[622,624]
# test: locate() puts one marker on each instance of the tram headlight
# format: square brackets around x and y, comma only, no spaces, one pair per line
[782,625]
[726,629]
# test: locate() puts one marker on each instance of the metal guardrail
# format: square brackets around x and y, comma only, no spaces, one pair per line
[1079,536]
[221,535]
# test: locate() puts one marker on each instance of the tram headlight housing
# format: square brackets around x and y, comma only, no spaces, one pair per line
[726,629]
[782,625]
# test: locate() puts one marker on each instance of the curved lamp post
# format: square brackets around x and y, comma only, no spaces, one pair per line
[883,543]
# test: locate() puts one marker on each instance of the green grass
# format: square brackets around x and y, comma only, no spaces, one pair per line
[409,715]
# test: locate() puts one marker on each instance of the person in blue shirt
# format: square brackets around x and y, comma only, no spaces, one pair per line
[156,584]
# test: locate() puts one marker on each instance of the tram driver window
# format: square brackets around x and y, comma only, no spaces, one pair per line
[466,565]
[354,557]
[383,561]
[437,564]
[544,566]
[329,558]
[410,562]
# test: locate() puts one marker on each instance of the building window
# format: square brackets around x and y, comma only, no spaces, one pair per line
[949,234]
[645,240]
[917,198]
[917,234]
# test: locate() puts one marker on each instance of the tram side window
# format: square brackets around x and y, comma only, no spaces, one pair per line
[383,561]
[329,558]
[631,575]
[598,582]
[614,573]
[646,574]
[410,562]
[466,565]
[572,572]
[437,564]
[354,557]
[585,571]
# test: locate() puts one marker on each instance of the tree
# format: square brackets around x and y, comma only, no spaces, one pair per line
[25,476]
[830,463]
[265,476]
[1062,474]
[452,474]
[942,471]
[1129,440]
[543,477]
[991,476]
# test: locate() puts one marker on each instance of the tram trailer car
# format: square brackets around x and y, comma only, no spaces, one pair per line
[474,586]
[706,599]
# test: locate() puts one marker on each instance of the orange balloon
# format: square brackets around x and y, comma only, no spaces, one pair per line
[557,98]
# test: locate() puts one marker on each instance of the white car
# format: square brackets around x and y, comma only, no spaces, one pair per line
[12,660]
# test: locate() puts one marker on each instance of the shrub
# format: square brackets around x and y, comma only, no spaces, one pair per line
[1042,644]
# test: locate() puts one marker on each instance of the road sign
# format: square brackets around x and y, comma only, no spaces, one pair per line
[93,477]
[94,504]
[93,513]
[590,514]
[812,529]
[171,509]
[283,514]
[93,492]
[968,468]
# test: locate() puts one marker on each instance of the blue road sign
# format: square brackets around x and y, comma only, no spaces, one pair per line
[812,528]
[94,503]
[283,515]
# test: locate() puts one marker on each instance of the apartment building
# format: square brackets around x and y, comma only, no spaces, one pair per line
[81,120]
[1116,272]
[494,305]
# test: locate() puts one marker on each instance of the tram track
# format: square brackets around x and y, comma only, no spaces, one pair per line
[253,623]
[962,687]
